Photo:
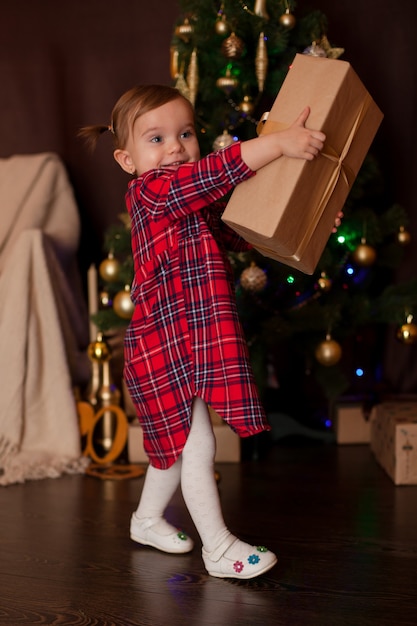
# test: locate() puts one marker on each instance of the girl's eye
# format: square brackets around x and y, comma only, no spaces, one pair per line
[188,133]
[156,139]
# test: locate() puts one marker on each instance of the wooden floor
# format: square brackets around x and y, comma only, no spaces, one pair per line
[345,535]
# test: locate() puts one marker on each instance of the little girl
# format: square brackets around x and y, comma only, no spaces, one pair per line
[184,347]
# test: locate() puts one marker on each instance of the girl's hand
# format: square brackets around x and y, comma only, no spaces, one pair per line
[300,142]
[337,221]
[295,141]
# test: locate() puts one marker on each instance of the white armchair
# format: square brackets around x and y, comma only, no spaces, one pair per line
[43,320]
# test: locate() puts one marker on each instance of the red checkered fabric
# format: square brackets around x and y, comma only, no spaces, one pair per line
[185,338]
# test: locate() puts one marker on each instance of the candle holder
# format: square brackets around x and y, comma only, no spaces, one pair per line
[102,395]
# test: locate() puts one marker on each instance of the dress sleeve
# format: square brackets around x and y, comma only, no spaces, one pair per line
[174,194]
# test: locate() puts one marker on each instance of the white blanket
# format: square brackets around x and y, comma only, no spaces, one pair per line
[43,323]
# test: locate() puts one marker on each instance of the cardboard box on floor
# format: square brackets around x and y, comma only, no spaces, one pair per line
[227,442]
[287,211]
[351,425]
[394,439]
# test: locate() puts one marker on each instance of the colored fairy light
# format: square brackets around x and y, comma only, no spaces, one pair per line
[350,270]
[290,279]
[341,239]
[328,423]
[359,371]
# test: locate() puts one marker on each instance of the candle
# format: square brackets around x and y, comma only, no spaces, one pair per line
[92,298]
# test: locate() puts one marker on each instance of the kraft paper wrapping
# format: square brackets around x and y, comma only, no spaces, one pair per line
[287,211]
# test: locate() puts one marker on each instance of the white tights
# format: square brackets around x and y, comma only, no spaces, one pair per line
[194,470]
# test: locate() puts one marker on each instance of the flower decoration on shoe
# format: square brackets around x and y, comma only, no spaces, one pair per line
[253,559]
[181,535]
[238,567]
[262,549]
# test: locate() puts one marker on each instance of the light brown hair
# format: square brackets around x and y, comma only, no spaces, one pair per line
[129,107]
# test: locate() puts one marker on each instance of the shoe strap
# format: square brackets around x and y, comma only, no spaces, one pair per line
[218,552]
[144,522]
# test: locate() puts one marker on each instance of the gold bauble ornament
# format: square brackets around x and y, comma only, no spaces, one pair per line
[109,269]
[261,62]
[403,236]
[253,278]
[122,304]
[223,140]
[227,83]
[174,56]
[287,20]
[324,282]
[233,47]
[192,77]
[328,352]
[98,351]
[221,26]
[246,106]
[260,9]
[184,30]
[364,255]
[407,333]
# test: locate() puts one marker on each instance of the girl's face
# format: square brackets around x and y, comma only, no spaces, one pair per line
[162,138]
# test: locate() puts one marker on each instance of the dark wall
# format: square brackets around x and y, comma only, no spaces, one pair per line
[380,37]
[63,65]
[379,40]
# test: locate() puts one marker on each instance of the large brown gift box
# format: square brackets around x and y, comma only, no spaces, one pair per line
[288,210]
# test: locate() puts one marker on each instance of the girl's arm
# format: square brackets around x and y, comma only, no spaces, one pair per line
[173,195]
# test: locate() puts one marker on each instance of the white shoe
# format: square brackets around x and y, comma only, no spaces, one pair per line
[236,559]
[174,542]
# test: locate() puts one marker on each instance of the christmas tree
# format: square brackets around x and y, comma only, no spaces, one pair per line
[313,337]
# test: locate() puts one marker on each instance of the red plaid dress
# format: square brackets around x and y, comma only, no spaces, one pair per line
[185,338]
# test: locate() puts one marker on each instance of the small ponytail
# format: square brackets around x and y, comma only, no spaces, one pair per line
[91,134]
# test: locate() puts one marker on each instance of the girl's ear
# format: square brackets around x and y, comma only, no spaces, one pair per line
[124,159]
